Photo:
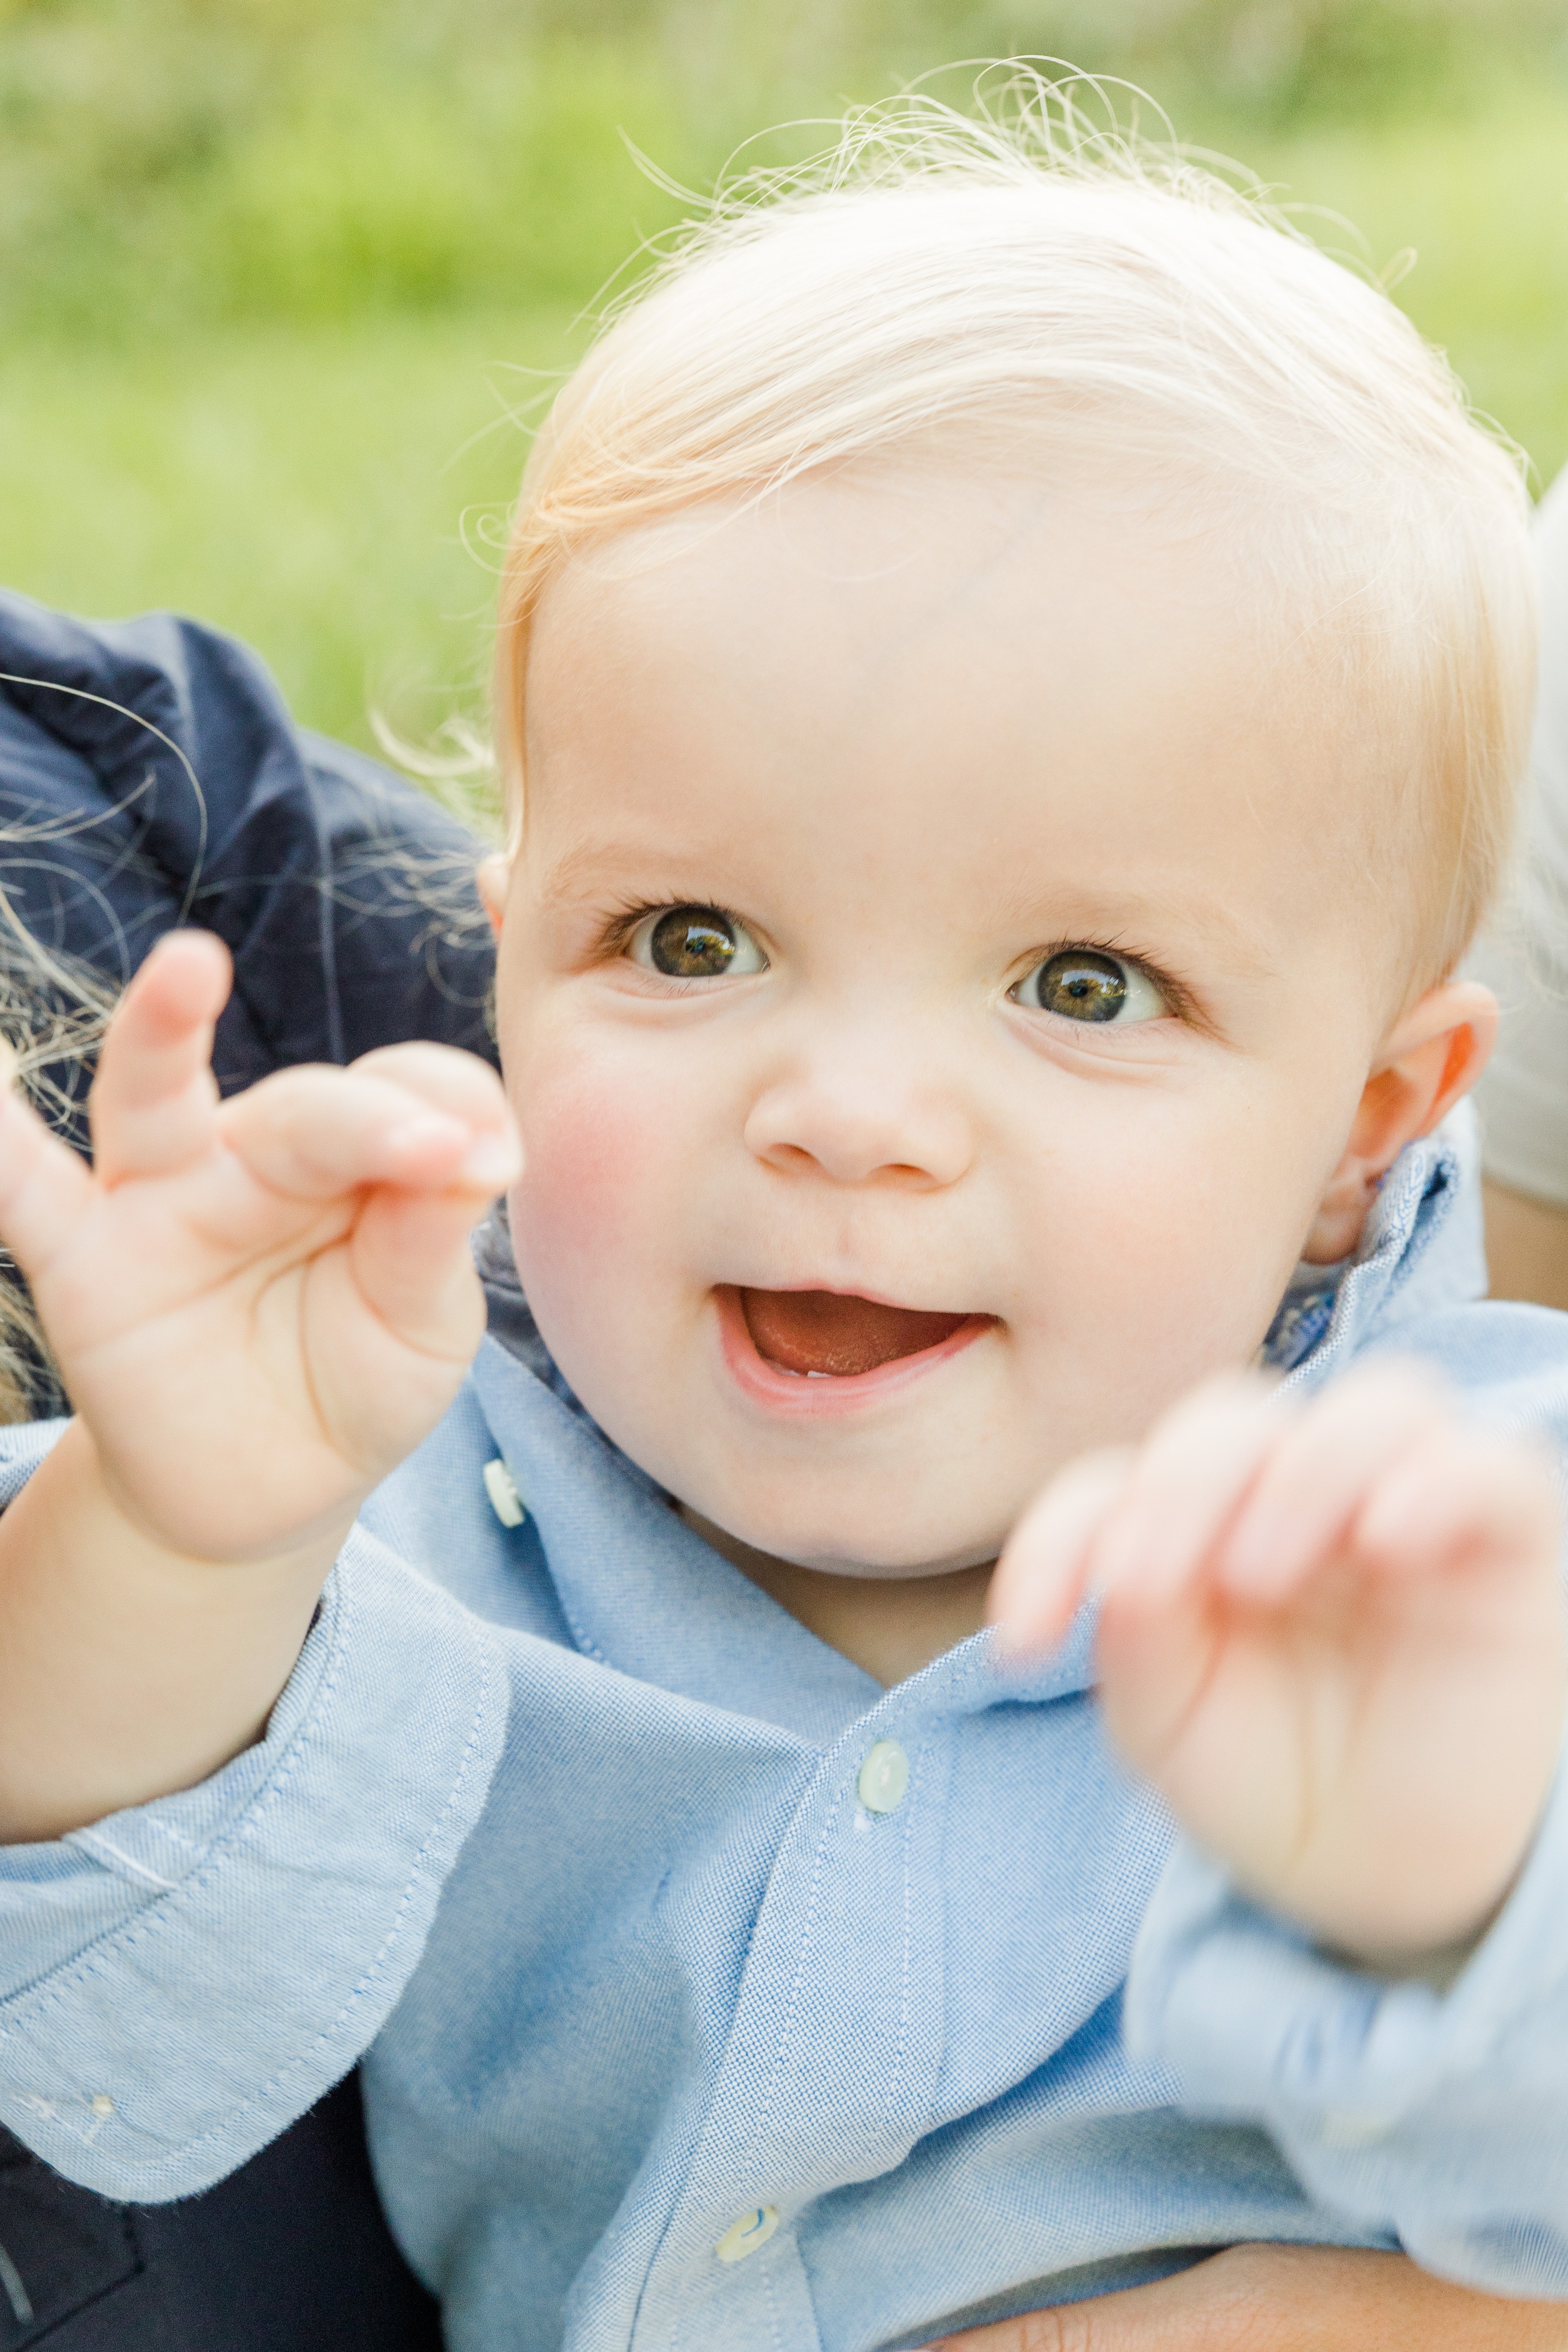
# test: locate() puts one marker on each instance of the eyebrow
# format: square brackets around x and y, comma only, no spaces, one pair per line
[594,866]
[1123,915]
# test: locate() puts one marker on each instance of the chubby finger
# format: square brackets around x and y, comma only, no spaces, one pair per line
[44,1187]
[445,1077]
[316,1131]
[154,1101]
[412,1265]
[1043,1573]
[1190,1477]
[461,1087]
[1460,1496]
[1316,1479]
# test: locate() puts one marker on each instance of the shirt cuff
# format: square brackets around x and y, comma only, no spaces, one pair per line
[1440,2115]
[179,1981]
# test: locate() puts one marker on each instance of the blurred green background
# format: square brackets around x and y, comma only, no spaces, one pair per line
[279,279]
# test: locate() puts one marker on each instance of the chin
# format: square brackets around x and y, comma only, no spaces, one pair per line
[847,1547]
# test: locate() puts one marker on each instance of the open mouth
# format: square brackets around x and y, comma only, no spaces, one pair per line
[822,1335]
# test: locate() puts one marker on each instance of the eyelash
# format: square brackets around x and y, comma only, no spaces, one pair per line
[624,919]
[1176,995]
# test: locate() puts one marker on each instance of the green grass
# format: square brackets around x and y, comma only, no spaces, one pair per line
[1482,202]
[324,491]
[297,468]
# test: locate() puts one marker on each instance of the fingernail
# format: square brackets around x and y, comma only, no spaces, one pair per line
[1020,1638]
[419,1133]
[491,1162]
[1007,1647]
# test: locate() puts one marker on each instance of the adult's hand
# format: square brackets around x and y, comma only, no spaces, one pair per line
[1284,2299]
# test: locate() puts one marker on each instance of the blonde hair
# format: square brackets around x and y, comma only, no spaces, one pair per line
[53,1011]
[1019,286]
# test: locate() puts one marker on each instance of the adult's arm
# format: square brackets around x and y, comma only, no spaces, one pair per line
[1523,1097]
[1285,2299]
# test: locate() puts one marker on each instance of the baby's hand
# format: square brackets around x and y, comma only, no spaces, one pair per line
[257,1307]
[1332,1634]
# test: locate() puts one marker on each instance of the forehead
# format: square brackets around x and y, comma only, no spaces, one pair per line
[948,687]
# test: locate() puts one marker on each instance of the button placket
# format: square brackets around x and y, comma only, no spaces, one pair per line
[820,2037]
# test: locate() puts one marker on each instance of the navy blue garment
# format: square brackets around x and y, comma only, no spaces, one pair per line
[149,776]
[289,2254]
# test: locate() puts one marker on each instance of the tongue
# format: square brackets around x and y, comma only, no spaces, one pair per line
[822,1332]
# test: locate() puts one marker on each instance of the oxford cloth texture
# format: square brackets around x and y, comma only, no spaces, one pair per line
[671,2042]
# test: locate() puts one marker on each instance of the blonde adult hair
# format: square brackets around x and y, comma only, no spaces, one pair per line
[1017,287]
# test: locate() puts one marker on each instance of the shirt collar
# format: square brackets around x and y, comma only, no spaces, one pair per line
[638,1590]
[643,1594]
[1414,1252]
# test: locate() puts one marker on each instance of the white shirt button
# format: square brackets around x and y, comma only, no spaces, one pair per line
[505,1500]
[744,2235]
[883,1777]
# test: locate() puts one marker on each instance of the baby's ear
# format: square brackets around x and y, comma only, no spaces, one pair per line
[1432,1056]
[490,878]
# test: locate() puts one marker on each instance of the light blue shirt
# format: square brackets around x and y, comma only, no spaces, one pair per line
[676,2043]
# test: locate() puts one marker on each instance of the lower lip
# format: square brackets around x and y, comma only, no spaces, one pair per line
[816,1398]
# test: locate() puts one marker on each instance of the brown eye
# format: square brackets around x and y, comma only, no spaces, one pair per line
[1083,984]
[695,943]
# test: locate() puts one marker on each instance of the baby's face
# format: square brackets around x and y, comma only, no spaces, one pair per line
[930,896]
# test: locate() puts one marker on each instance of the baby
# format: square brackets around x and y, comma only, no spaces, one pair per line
[1012,672]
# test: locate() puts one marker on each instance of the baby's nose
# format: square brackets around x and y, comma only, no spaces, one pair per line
[862,1117]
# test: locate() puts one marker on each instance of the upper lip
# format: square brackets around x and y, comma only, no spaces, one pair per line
[864,1290]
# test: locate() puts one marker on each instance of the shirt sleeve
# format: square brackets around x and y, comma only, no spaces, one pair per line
[1439,2116]
[178,1982]
[1523,1095]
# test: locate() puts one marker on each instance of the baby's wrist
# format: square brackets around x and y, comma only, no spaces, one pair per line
[189,1520]
[1430,1936]
[131,1669]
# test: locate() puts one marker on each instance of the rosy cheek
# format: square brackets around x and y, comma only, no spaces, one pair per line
[601,1148]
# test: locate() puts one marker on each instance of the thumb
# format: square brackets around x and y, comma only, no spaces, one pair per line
[44,1187]
[153,1103]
